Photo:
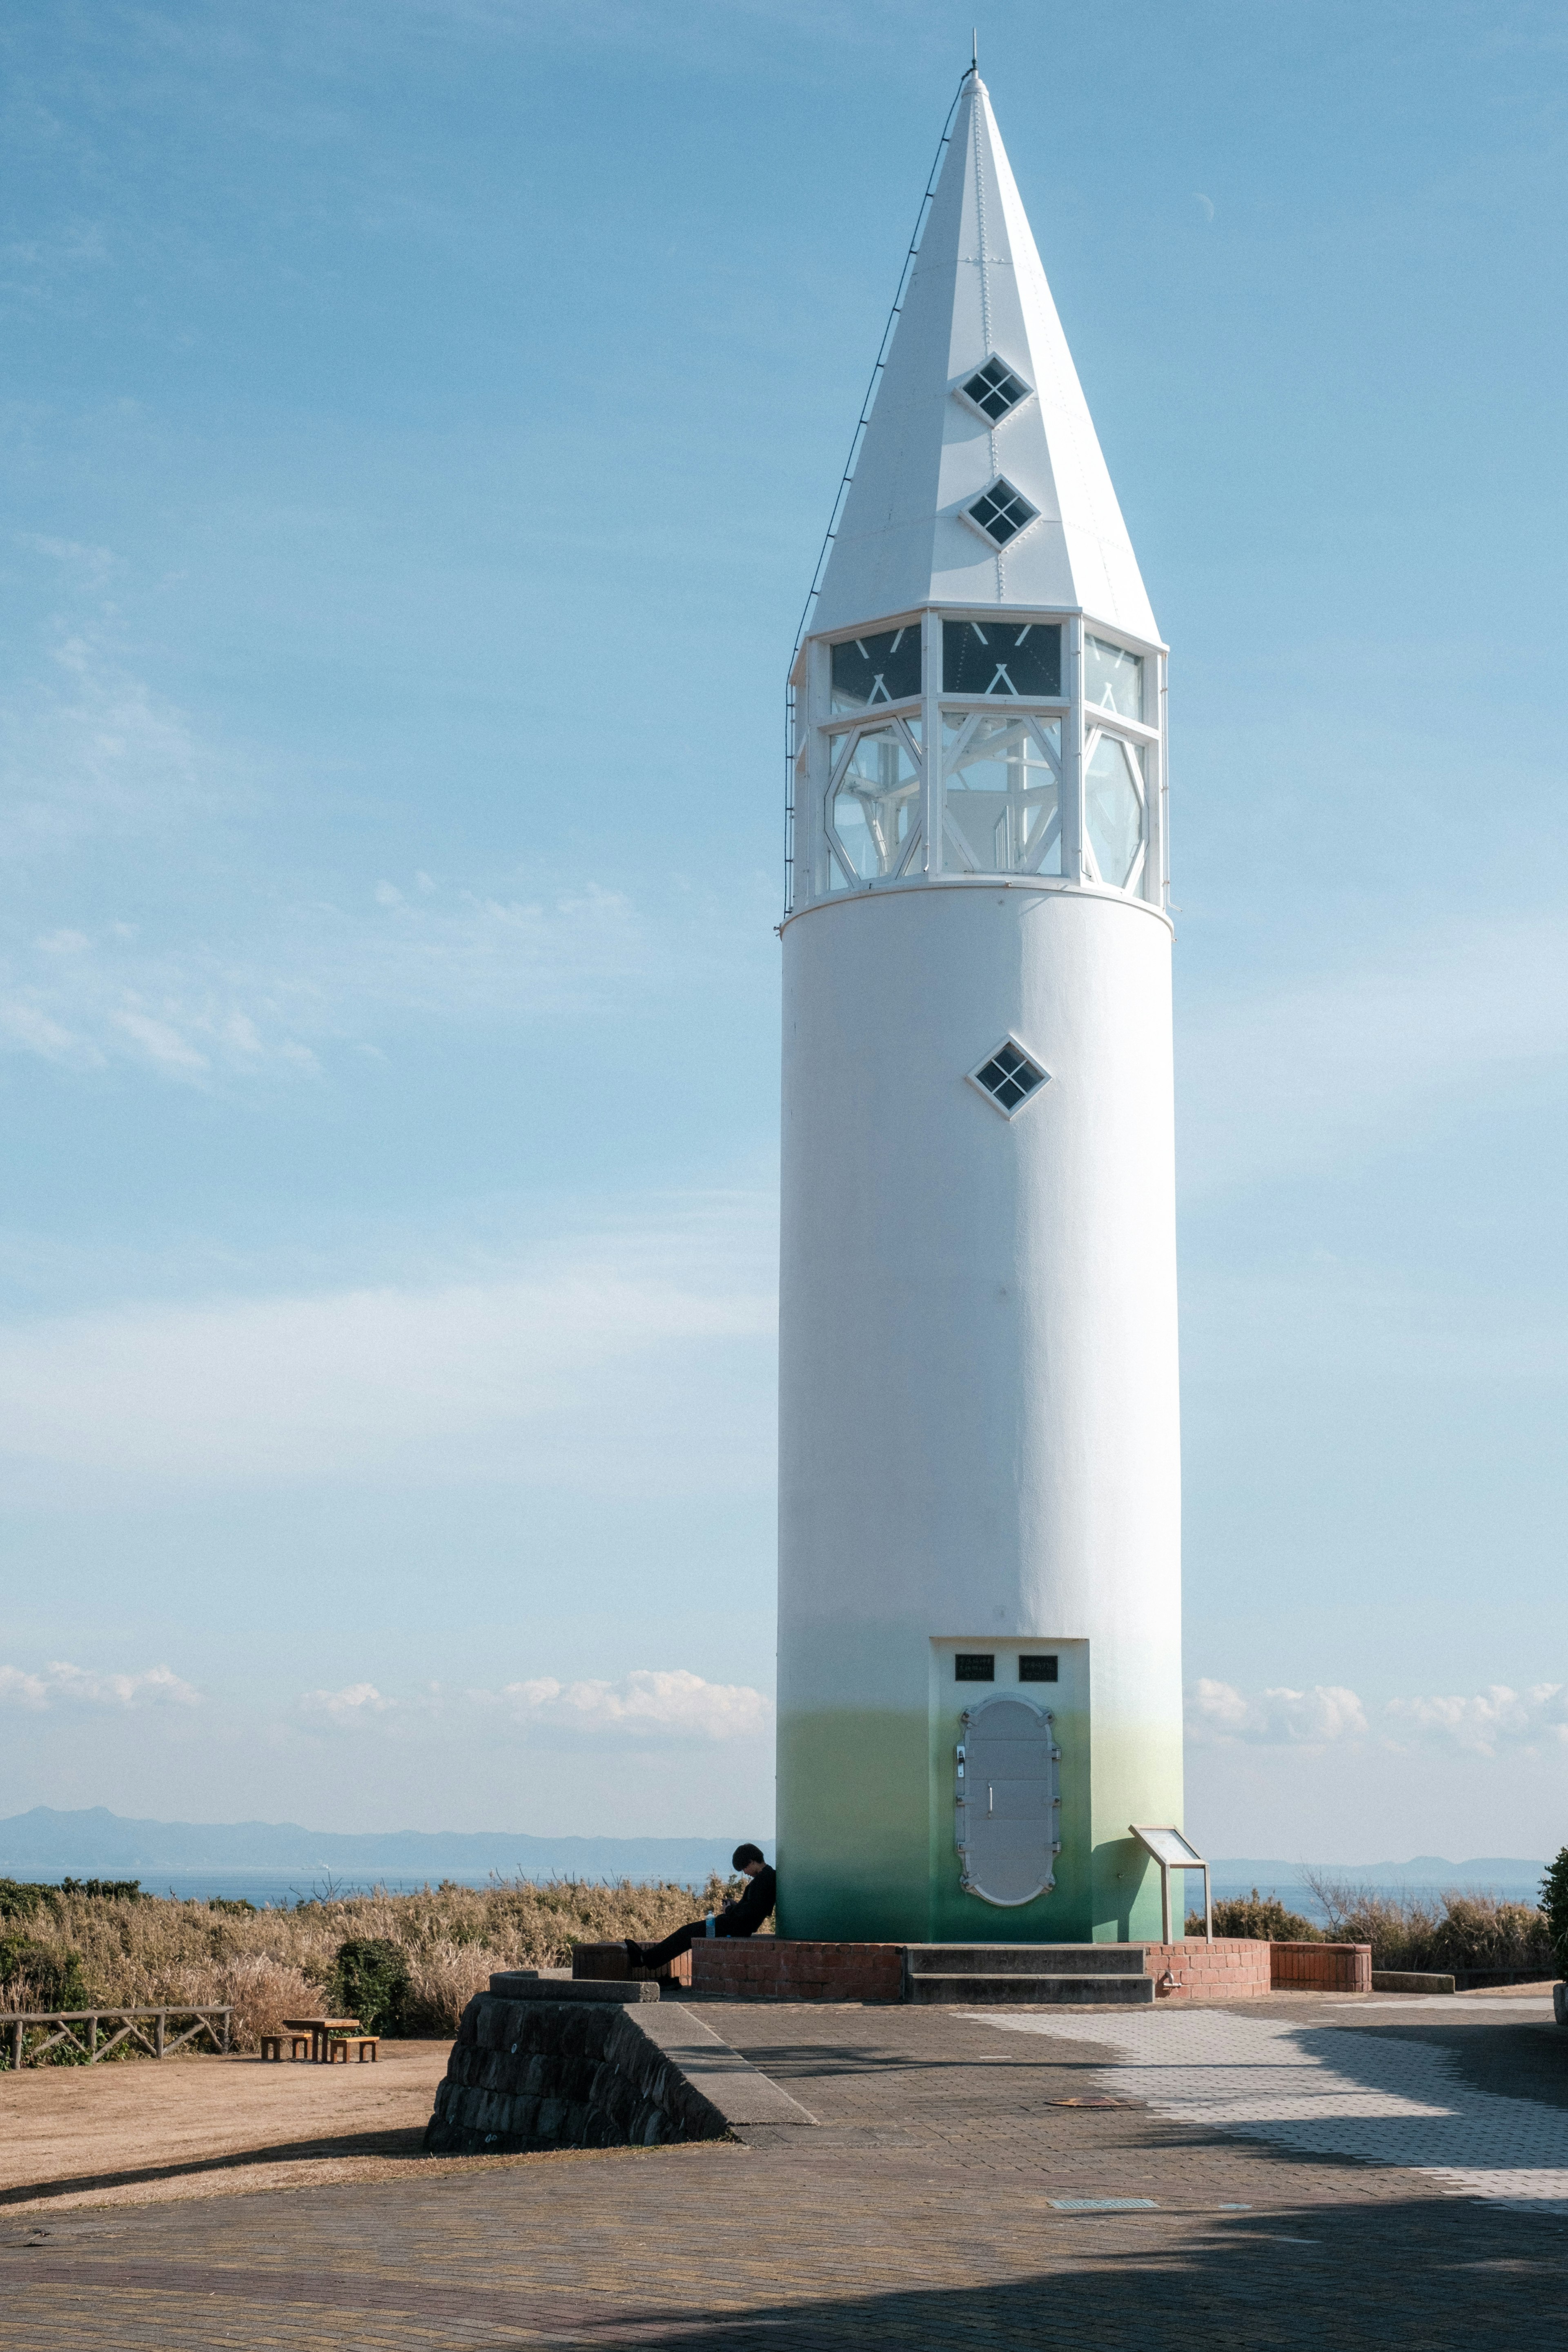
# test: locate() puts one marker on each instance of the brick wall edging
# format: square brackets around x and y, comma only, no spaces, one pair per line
[786,1968]
[1234,1968]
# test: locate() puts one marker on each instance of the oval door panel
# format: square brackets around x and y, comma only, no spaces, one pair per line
[1007,1813]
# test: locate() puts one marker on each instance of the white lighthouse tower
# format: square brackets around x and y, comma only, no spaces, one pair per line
[979,1576]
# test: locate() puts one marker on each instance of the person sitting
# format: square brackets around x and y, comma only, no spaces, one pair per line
[741,1918]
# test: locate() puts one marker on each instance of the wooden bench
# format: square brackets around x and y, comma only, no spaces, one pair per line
[300,2045]
[340,2044]
[314,2035]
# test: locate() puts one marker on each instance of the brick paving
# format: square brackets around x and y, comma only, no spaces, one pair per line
[1329,2087]
[920,2212]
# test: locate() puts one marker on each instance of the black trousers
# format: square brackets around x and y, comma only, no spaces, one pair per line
[655,1955]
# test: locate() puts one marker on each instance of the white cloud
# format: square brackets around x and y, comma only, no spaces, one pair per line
[1491,1719]
[1333,1068]
[318,976]
[1217,1711]
[356,1703]
[635,1363]
[250,976]
[93,755]
[1480,1725]
[660,1704]
[673,1704]
[78,1686]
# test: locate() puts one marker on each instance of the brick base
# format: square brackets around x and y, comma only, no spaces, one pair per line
[1232,1967]
[1236,1967]
[1321,1967]
[609,1960]
[778,1967]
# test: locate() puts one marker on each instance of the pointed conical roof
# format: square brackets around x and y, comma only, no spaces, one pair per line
[978,292]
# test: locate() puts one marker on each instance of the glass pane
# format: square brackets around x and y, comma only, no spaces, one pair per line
[1113,805]
[883,668]
[1002,512]
[876,804]
[994,389]
[1002,801]
[1113,680]
[1001,657]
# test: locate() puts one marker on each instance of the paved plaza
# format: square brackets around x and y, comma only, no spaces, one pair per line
[1296,2173]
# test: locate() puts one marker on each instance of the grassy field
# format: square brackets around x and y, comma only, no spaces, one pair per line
[71,1949]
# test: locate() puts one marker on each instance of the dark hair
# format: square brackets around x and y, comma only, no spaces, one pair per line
[743,1854]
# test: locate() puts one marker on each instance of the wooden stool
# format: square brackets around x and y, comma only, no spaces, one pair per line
[366,2044]
[301,2044]
[272,2047]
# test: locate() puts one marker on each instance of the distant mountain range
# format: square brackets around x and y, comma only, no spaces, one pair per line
[1497,1874]
[96,1843]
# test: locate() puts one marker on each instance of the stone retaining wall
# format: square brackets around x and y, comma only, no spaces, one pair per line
[545,2073]
[779,1968]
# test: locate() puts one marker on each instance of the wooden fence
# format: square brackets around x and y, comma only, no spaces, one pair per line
[78,2030]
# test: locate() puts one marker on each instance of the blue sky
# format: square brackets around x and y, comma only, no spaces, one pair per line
[420,421]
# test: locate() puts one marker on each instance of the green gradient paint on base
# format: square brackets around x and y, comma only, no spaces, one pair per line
[866,1849]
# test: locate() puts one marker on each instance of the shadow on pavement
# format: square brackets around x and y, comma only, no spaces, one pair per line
[1522,2059]
[1422,2275]
[404,2142]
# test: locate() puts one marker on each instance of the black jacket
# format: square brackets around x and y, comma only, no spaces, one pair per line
[745,1915]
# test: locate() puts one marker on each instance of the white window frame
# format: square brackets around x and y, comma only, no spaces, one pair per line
[845,740]
[994,424]
[971,1077]
[903,702]
[1036,717]
[1005,546]
[931,856]
[1122,732]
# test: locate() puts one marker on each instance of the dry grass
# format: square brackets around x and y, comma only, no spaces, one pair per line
[272,1964]
[1451,1931]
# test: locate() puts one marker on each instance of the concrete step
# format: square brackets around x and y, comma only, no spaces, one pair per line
[1033,1991]
[1025,1959]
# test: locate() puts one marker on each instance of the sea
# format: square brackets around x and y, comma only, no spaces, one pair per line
[283,1889]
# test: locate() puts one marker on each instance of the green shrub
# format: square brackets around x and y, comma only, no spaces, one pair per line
[46,1976]
[20,1899]
[232,1907]
[370,1981]
[1261,1917]
[105,1890]
[1554,1903]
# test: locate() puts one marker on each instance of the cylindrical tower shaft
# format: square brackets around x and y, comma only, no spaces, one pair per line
[979,1578]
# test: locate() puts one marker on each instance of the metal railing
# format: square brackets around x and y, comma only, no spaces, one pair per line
[894,315]
[23,2049]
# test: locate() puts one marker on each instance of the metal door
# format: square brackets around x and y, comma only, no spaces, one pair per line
[1006,1800]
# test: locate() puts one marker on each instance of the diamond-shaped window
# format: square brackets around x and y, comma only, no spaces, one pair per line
[995,390]
[1001,513]
[1009,1077]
